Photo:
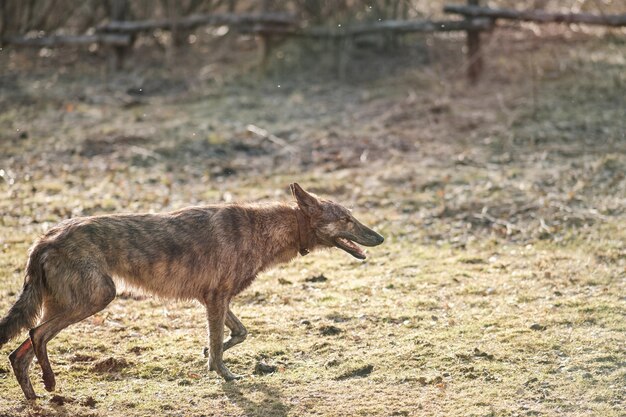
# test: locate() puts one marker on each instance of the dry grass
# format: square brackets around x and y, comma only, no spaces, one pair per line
[500,287]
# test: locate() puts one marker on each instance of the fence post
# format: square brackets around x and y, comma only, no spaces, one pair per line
[265,40]
[119,10]
[474,53]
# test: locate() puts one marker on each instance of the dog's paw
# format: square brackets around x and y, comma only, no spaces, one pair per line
[231,377]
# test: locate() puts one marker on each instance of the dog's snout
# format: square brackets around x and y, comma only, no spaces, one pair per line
[371,238]
[378,238]
[366,236]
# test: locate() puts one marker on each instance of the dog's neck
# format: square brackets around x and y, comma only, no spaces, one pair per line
[286,231]
[304,232]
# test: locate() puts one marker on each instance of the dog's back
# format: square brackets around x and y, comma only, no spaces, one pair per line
[147,251]
[179,255]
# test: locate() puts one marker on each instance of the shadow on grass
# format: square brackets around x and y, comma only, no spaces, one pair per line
[270,405]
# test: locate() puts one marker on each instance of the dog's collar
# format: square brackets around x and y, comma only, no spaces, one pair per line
[303,232]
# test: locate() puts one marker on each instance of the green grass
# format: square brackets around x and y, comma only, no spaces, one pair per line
[499,214]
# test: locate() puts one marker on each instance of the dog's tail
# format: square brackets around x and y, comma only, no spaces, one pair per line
[27,308]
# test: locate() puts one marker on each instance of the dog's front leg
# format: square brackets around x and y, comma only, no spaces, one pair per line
[238,333]
[217,308]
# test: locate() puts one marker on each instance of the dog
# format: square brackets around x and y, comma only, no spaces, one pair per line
[206,253]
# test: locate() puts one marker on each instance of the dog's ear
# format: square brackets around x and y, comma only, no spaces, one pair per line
[307,202]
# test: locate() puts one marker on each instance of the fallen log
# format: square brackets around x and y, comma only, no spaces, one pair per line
[539,16]
[195,21]
[59,40]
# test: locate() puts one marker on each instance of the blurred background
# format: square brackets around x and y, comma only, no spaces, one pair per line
[486,142]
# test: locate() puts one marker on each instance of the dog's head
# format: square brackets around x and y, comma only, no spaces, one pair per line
[333,225]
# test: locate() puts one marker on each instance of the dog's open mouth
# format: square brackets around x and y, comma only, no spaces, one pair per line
[350,247]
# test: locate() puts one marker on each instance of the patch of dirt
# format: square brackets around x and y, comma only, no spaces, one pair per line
[89,402]
[81,357]
[330,330]
[61,400]
[477,353]
[430,381]
[106,145]
[361,371]
[316,278]
[480,354]
[110,365]
[139,349]
[262,368]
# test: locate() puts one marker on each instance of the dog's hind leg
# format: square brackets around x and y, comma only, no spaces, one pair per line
[22,357]
[101,293]
[238,332]
[40,336]
[20,362]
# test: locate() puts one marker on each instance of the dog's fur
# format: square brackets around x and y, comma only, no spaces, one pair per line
[209,253]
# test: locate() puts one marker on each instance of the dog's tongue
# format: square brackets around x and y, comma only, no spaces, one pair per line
[356,248]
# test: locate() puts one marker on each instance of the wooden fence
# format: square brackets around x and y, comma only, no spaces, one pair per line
[120,35]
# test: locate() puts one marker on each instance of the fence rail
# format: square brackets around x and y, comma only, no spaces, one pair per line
[59,40]
[538,16]
[195,21]
[386,26]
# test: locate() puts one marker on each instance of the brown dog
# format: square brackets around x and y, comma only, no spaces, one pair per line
[209,253]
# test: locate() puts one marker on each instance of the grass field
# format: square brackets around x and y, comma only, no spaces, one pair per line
[500,289]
